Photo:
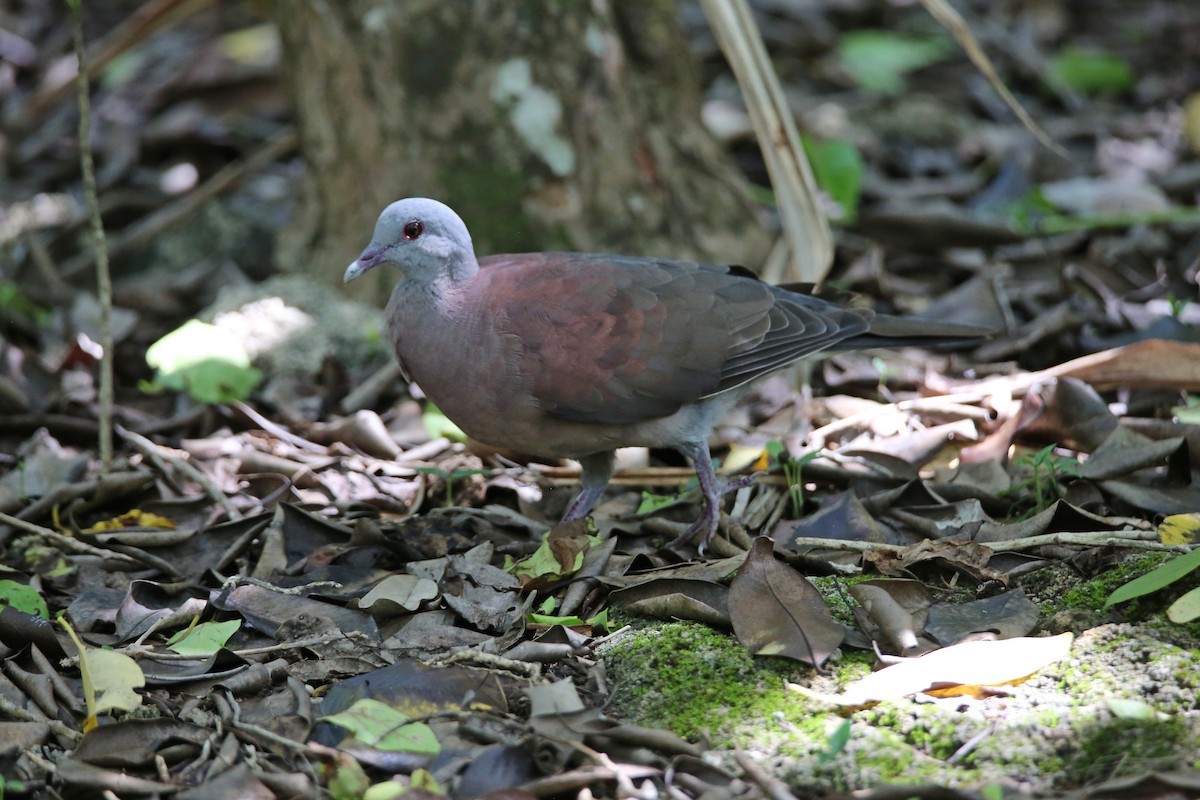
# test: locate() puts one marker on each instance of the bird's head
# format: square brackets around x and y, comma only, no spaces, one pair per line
[424,238]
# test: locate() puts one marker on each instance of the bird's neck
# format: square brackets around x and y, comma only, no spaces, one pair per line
[442,295]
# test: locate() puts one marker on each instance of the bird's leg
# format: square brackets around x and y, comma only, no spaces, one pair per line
[712,488]
[597,472]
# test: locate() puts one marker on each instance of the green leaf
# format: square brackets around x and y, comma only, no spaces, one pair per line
[1189,413]
[1152,581]
[1089,71]
[837,742]
[993,791]
[838,168]
[205,639]
[13,302]
[23,598]
[1186,608]
[438,425]
[653,502]
[1125,708]
[547,561]
[349,781]
[879,60]
[382,727]
[208,363]
[599,621]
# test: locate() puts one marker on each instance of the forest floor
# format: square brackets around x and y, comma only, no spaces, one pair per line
[296,580]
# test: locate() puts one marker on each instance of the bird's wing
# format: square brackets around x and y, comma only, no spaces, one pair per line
[606,339]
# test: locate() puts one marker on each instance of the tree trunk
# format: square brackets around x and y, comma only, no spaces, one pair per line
[547,125]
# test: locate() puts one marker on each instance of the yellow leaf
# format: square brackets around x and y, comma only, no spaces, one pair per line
[132,519]
[1179,529]
[1191,121]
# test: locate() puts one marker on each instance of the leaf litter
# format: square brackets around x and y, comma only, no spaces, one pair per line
[369,571]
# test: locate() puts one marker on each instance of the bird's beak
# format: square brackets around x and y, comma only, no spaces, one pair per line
[371,257]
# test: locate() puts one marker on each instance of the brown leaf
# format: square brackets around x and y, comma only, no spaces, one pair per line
[1010,614]
[677,598]
[777,612]
[969,557]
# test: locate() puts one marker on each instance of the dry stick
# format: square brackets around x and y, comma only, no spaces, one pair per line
[804,224]
[160,454]
[11,710]
[1140,540]
[99,246]
[770,785]
[276,430]
[952,21]
[145,229]
[64,542]
[133,31]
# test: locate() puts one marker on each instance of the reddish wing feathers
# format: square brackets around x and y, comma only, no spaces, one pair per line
[606,339]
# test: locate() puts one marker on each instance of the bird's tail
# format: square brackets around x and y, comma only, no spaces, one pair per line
[889,331]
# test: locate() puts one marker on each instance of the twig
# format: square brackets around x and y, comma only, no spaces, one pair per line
[249,652]
[277,430]
[773,787]
[63,541]
[11,710]
[140,25]
[804,224]
[230,711]
[145,229]
[234,581]
[952,21]
[160,454]
[99,248]
[1140,540]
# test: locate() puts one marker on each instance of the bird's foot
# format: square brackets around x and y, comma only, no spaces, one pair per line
[710,513]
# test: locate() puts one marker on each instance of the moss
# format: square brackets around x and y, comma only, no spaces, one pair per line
[1129,747]
[887,757]
[691,679]
[1058,730]
[924,727]
[1092,594]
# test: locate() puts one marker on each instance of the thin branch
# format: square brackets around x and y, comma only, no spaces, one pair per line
[796,193]
[163,457]
[1134,539]
[145,229]
[952,21]
[99,245]
[64,542]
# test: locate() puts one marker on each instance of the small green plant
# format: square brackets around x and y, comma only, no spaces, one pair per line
[14,303]
[1177,304]
[1090,72]
[879,60]
[838,167]
[836,742]
[1040,489]
[450,476]
[792,470]
[1189,412]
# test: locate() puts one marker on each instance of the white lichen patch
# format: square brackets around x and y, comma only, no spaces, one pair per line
[534,113]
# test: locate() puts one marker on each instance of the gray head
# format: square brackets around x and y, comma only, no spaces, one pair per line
[423,237]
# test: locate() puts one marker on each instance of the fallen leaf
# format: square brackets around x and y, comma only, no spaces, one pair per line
[776,612]
[981,663]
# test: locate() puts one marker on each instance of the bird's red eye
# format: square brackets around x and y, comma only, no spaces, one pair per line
[413,229]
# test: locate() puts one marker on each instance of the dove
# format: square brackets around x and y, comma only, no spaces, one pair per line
[573,355]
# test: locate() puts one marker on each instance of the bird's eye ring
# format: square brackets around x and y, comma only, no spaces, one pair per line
[413,229]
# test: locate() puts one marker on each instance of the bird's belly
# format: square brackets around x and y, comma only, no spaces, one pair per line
[526,428]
